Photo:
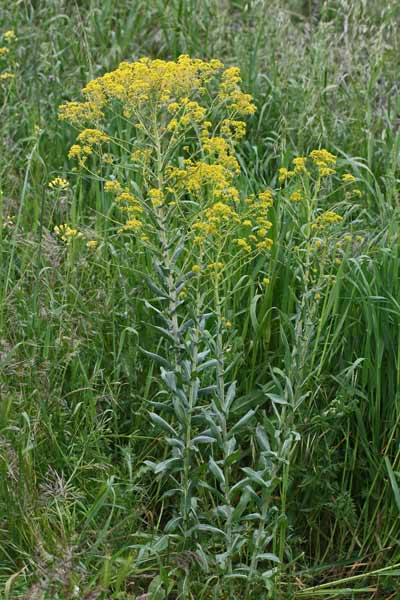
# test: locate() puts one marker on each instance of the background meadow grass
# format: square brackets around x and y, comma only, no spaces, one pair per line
[75,500]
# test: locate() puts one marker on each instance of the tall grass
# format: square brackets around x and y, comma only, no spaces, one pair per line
[315,353]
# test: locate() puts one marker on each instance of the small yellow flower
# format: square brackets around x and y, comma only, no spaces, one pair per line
[6,75]
[317,296]
[265,244]
[228,324]
[216,266]
[92,244]
[318,243]
[156,197]
[9,35]
[296,196]
[58,184]
[300,164]
[92,136]
[326,171]
[357,192]
[113,186]
[107,159]
[329,217]
[323,157]
[284,174]
[348,178]
[4,51]
[196,268]
[66,233]
[266,281]
[131,225]
[242,243]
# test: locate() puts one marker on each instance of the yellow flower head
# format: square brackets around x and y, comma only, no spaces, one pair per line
[66,233]
[156,197]
[323,157]
[242,243]
[113,186]
[215,266]
[58,183]
[285,174]
[92,136]
[265,244]
[131,225]
[296,196]
[9,35]
[326,171]
[266,198]
[348,178]
[6,75]
[329,217]
[300,164]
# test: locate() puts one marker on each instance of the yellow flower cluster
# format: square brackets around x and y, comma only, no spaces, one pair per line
[141,156]
[296,196]
[66,233]
[127,203]
[233,129]
[231,94]
[138,83]
[80,112]
[113,186]
[157,197]
[220,148]
[132,224]
[92,137]
[300,164]
[186,113]
[9,35]
[284,174]
[190,101]
[58,183]
[215,266]
[329,217]
[348,178]
[200,175]
[221,220]
[325,161]
[87,138]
